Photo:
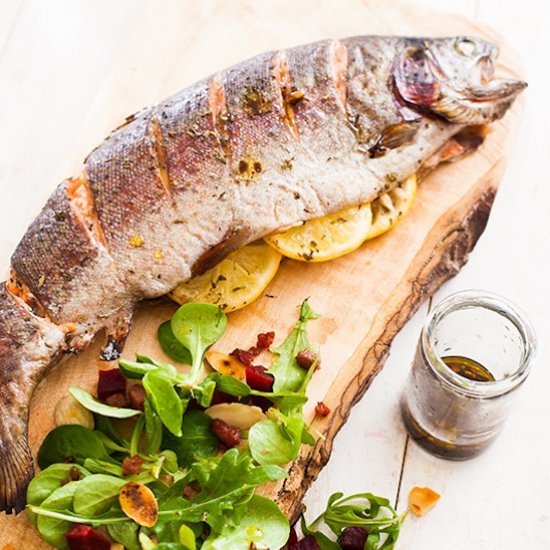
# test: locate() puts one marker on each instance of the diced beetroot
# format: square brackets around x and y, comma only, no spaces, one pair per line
[307,543]
[265,339]
[259,401]
[245,357]
[353,538]
[222,397]
[258,379]
[110,382]
[84,537]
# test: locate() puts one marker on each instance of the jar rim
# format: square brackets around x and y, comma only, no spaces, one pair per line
[479,298]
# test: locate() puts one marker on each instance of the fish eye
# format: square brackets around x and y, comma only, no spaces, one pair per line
[465,47]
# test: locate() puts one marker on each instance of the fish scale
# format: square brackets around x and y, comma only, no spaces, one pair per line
[276,140]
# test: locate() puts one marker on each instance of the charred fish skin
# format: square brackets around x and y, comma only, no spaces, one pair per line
[281,138]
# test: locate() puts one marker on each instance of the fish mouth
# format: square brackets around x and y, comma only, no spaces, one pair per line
[457,84]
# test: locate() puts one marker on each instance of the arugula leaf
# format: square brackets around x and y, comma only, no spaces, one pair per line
[226,489]
[95,494]
[196,440]
[53,529]
[171,345]
[289,376]
[372,512]
[88,401]
[71,441]
[264,525]
[197,326]
[165,400]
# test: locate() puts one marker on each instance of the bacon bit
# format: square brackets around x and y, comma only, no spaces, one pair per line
[245,357]
[258,378]
[137,395]
[422,500]
[84,537]
[68,459]
[167,478]
[321,409]
[228,435]
[353,538]
[306,358]
[191,490]
[110,382]
[74,473]
[136,241]
[131,465]
[265,340]
[117,400]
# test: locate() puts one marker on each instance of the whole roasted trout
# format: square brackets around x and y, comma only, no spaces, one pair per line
[283,137]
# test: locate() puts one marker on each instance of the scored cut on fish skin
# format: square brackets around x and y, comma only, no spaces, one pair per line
[281,138]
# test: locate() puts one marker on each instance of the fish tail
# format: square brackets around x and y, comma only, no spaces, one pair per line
[29,345]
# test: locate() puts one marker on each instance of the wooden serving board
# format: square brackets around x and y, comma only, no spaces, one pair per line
[364,298]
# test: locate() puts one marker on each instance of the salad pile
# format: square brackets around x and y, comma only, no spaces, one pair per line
[171,460]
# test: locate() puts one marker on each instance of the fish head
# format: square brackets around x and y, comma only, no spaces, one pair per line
[453,78]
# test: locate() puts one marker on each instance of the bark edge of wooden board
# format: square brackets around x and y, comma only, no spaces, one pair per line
[430,269]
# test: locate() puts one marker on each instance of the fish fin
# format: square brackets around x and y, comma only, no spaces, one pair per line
[394,136]
[29,345]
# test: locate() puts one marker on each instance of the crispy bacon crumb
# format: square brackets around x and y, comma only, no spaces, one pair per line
[306,358]
[230,436]
[321,409]
[131,465]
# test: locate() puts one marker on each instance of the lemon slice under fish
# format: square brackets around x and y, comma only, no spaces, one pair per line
[235,281]
[388,209]
[325,238]
[332,236]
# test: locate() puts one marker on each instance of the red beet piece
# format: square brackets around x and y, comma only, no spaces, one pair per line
[259,401]
[265,339]
[307,543]
[353,538]
[84,537]
[258,379]
[110,382]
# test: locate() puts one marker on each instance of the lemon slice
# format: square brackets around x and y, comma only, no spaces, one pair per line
[235,281]
[337,234]
[389,208]
[325,238]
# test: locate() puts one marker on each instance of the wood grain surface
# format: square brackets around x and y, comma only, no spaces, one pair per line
[364,298]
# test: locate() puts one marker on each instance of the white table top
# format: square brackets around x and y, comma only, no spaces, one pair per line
[498,501]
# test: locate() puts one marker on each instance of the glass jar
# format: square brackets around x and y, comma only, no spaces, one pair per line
[474,352]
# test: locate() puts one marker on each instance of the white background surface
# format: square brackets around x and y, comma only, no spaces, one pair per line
[500,500]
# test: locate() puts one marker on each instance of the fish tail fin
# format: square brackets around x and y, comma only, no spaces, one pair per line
[29,345]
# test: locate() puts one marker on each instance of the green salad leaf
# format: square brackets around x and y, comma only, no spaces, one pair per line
[50,479]
[88,401]
[71,441]
[171,345]
[196,441]
[264,526]
[126,533]
[197,326]
[95,494]
[53,529]
[165,400]
[289,376]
